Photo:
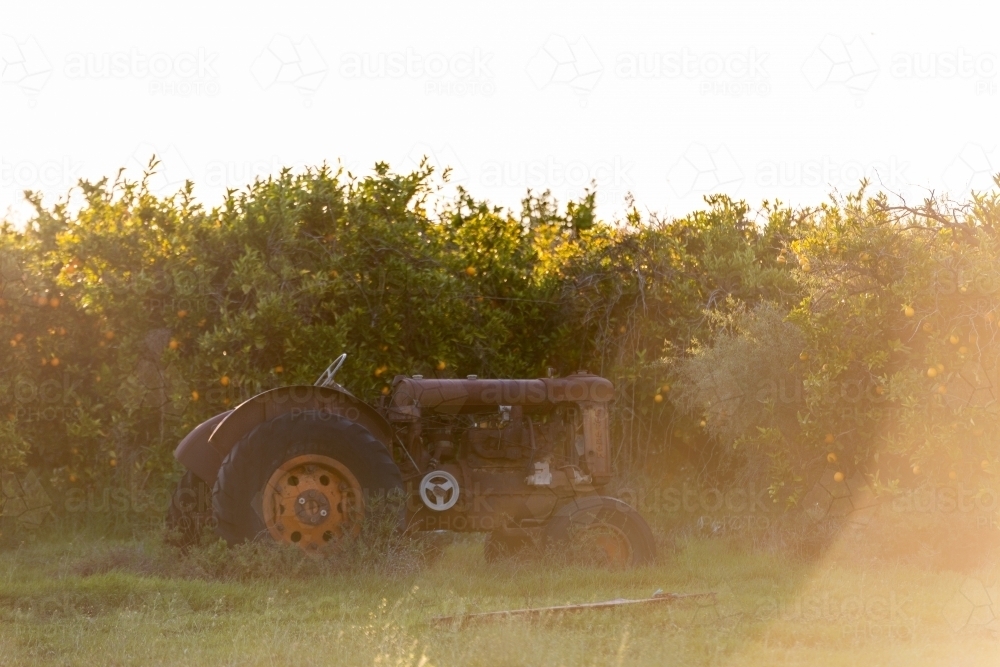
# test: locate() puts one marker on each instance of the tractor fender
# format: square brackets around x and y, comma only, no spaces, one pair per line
[204,455]
[196,454]
[560,520]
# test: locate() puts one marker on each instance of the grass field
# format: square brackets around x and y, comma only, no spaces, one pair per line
[80,600]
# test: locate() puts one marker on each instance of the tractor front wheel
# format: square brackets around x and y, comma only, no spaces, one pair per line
[306,480]
[602,531]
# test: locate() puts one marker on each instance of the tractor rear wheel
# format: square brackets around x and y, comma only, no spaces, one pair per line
[306,480]
[602,531]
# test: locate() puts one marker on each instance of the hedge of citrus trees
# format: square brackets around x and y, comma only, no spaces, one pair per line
[130,318]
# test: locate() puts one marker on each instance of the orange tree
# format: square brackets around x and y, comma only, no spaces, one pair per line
[887,366]
[136,316]
[900,365]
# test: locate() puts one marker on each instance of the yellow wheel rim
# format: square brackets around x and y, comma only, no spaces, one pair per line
[601,543]
[311,501]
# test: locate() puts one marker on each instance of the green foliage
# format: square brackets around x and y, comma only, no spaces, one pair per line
[888,364]
[129,319]
[136,317]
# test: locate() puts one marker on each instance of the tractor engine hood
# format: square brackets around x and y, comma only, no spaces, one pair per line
[411,396]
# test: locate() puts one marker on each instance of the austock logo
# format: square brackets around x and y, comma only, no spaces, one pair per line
[704,170]
[836,62]
[182,74]
[23,499]
[21,175]
[23,64]
[458,73]
[285,62]
[560,62]
[121,500]
[735,73]
[974,608]
[441,157]
[974,168]
[827,172]
[864,615]
[613,174]
[170,173]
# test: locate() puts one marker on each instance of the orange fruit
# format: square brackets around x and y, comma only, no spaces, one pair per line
[182,314]
[916,469]
[831,457]
[441,365]
[194,395]
[838,476]
[829,438]
[385,390]
[908,311]
[470,271]
[174,344]
[109,334]
[942,389]
[224,380]
[803,356]
[665,388]
[658,398]
[278,370]
[932,372]
[953,339]
[54,361]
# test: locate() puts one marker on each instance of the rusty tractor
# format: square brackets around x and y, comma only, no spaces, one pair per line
[524,461]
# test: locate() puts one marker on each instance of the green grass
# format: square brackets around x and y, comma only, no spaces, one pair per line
[140,606]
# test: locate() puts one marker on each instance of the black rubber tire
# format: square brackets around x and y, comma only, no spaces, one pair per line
[560,530]
[499,547]
[190,511]
[251,462]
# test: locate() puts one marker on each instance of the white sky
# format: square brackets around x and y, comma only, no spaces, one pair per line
[517,94]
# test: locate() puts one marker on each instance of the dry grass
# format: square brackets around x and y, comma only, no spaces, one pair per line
[79,600]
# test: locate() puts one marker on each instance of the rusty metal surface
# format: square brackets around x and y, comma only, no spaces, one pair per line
[305,401]
[597,446]
[531,612]
[487,500]
[196,454]
[410,395]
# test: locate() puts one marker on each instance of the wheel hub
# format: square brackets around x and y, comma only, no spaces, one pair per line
[312,500]
[312,507]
